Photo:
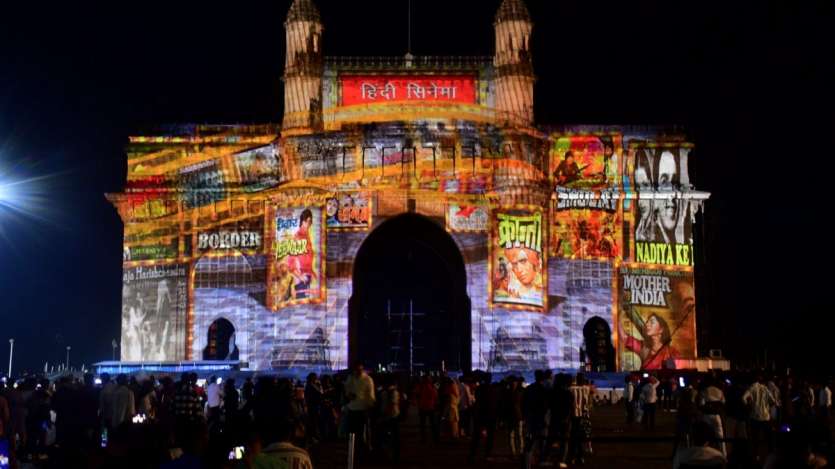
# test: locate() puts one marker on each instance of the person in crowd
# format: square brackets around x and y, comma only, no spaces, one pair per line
[686,413]
[359,390]
[759,400]
[123,404]
[275,450]
[649,396]
[485,416]
[427,402]
[775,391]
[247,390]
[187,406]
[329,409]
[191,440]
[536,404]
[580,419]
[38,417]
[561,407]
[146,397]
[513,415]
[313,396]
[106,398]
[628,396]
[824,402]
[390,417]
[449,408]
[465,405]
[166,392]
[712,403]
[214,400]
[701,453]
[736,413]
[16,430]
[231,406]
[64,404]
[796,449]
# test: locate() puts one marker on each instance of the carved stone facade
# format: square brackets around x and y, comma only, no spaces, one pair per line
[263,225]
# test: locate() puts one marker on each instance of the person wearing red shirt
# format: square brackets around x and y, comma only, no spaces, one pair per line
[427,401]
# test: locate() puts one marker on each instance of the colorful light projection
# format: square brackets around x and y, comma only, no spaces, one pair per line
[663,222]
[656,317]
[517,258]
[297,269]
[374,89]
[586,225]
[351,210]
[154,310]
[585,161]
[467,218]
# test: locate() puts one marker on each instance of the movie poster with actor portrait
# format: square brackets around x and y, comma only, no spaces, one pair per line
[588,226]
[154,309]
[297,265]
[656,318]
[517,258]
[350,210]
[585,161]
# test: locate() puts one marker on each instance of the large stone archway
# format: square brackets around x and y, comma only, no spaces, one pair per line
[410,263]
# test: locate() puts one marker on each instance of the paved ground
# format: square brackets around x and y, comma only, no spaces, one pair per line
[642,449]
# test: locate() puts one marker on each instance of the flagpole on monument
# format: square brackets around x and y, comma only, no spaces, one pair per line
[114,344]
[11,353]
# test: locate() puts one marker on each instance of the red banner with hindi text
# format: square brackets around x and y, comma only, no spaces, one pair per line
[372,89]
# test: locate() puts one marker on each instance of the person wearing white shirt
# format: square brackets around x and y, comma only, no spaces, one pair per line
[359,389]
[760,400]
[712,402]
[700,454]
[824,400]
[214,398]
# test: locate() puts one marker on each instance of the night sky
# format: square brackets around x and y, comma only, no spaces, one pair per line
[752,84]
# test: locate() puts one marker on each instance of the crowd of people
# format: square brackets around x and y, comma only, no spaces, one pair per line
[738,419]
[727,420]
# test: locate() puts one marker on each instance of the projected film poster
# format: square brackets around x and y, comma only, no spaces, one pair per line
[297,264]
[585,161]
[587,227]
[517,259]
[657,318]
[663,225]
[467,218]
[259,168]
[154,309]
[351,210]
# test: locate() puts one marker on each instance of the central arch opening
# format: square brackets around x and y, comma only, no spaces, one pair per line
[409,308]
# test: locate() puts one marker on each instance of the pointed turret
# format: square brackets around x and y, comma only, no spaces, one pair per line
[511,10]
[514,68]
[303,67]
[303,10]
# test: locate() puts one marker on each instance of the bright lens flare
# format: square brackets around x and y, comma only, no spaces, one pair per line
[22,199]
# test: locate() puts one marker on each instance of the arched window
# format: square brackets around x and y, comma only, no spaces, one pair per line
[220,343]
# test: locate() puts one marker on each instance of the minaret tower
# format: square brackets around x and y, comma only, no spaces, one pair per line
[514,69]
[303,67]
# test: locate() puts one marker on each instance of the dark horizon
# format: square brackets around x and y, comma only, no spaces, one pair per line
[750,86]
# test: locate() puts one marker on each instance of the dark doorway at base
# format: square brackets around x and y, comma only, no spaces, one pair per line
[409,306]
